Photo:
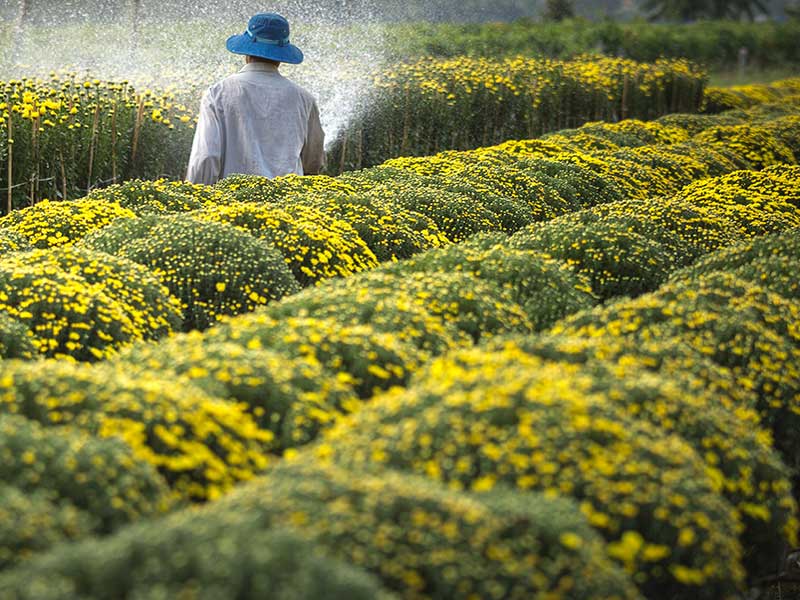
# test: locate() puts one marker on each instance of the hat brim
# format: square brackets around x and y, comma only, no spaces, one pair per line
[244,44]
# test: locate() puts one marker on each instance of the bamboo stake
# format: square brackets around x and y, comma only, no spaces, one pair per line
[136,127]
[114,145]
[63,176]
[10,159]
[91,147]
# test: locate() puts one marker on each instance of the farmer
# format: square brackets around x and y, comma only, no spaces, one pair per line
[257,121]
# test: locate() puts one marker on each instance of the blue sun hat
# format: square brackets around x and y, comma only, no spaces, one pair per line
[267,36]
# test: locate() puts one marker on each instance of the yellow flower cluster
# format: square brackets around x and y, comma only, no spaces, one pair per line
[200,444]
[314,245]
[53,223]
[293,398]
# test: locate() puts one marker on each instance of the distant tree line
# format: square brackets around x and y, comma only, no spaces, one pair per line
[41,11]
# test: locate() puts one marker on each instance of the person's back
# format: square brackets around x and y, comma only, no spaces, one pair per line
[257,121]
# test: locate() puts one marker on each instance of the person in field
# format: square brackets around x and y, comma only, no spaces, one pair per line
[257,122]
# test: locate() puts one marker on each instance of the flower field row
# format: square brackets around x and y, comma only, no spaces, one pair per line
[64,135]
[719,99]
[263,239]
[429,105]
[634,478]
[722,505]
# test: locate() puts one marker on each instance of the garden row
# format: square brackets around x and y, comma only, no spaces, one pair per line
[63,136]
[627,453]
[372,330]
[305,230]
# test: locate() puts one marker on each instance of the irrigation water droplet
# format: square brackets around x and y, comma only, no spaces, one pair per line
[180,46]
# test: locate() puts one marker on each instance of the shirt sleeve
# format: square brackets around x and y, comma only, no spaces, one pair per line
[205,161]
[313,153]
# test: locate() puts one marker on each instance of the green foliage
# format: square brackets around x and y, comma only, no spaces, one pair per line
[31,522]
[214,269]
[558,10]
[15,339]
[231,556]
[424,541]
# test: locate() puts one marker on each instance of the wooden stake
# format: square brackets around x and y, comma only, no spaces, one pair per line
[91,146]
[63,176]
[10,158]
[136,127]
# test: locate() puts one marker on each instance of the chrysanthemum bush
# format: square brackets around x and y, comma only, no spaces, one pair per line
[546,289]
[456,215]
[424,541]
[255,188]
[690,397]
[33,522]
[697,231]
[619,255]
[65,314]
[390,230]
[146,301]
[214,269]
[100,477]
[476,419]
[201,445]
[415,538]
[755,203]
[736,324]
[52,223]
[770,261]
[756,144]
[16,340]
[157,197]
[314,245]
[232,555]
[291,397]
[390,301]
[357,355]
[11,241]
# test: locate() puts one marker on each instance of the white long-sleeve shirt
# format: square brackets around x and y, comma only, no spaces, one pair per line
[256,122]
